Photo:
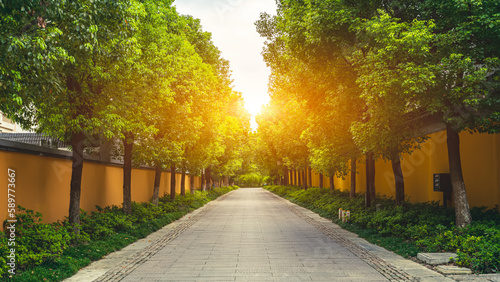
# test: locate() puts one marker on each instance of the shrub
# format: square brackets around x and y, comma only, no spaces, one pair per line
[4,252]
[104,222]
[481,253]
[145,212]
[37,241]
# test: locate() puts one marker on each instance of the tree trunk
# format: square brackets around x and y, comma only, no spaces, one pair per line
[76,180]
[156,186]
[399,180]
[183,181]
[208,179]
[332,184]
[294,177]
[127,173]
[191,183]
[172,181]
[299,178]
[353,179]
[304,179]
[372,179]
[286,176]
[463,217]
[309,177]
[202,181]
[321,180]
[368,194]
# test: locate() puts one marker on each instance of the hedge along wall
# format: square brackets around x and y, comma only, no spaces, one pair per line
[480,155]
[43,184]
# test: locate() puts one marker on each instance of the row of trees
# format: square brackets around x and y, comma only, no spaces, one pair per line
[349,77]
[135,71]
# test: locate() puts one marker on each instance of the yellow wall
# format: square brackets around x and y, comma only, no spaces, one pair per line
[481,168]
[480,154]
[42,184]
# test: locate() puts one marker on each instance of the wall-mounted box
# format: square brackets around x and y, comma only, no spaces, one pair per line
[442,182]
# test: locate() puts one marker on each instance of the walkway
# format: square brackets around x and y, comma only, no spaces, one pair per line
[253,235]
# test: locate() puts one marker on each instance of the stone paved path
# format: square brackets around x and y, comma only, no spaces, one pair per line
[254,235]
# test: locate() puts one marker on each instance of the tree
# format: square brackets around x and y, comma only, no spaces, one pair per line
[267,145]
[226,121]
[234,131]
[466,90]
[250,174]
[66,58]
[153,80]
[32,54]
[387,76]
[217,111]
[458,79]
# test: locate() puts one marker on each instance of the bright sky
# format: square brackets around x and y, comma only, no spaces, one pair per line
[231,23]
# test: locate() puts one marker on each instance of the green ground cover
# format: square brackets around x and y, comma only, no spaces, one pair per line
[52,252]
[411,227]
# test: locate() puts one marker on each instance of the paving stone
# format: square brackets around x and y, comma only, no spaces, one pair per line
[436,258]
[491,277]
[475,278]
[435,279]
[451,269]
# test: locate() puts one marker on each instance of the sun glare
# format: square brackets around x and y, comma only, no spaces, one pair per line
[254,104]
[253,107]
